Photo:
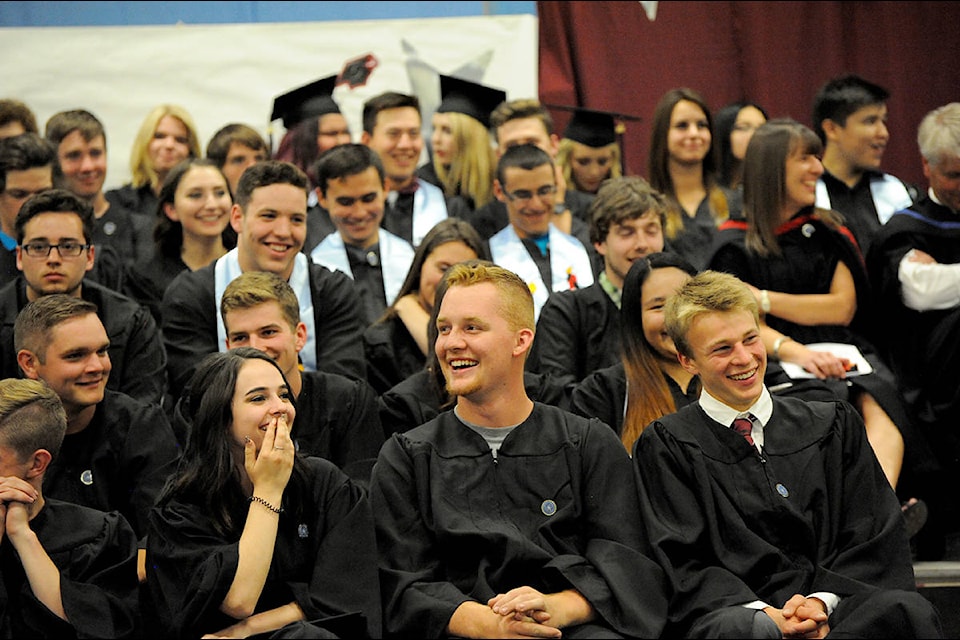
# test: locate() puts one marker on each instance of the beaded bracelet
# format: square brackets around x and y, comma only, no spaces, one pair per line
[277,510]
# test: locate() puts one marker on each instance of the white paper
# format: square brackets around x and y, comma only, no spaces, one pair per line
[839,349]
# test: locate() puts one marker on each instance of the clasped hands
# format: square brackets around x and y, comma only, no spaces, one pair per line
[801,617]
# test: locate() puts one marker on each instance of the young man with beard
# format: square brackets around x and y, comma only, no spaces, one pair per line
[503,516]
[117,451]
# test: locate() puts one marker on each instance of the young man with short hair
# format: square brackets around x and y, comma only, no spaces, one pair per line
[269,215]
[770,515]
[506,517]
[850,116]
[26,168]
[527,121]
[55,255]
[547,259]
[392,127]
[117,451]
[81,144]
[68,570]
[337,418]
[351,182]
[579,330]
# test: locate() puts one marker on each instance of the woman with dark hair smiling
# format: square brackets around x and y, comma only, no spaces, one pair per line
[250,537]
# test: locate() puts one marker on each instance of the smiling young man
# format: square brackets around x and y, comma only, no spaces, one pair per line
[55,255]
[532,504]
[850,116]
[579,329]
[117,452]
[392,127]
[81,144]
[269,215]
[770,515]
[531,246]
[337,418]
[351,181]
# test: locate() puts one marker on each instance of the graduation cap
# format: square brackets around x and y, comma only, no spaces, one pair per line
[596,128]
[469,98]
[592,128]
[309,101]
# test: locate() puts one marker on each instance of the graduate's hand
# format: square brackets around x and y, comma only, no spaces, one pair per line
[521,603]
[270,468]
[562,609]
[807,618]
[798,611]
[15,491]
[821,364]
[474,620]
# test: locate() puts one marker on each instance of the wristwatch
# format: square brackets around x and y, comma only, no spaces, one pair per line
[559,208]
[765,302]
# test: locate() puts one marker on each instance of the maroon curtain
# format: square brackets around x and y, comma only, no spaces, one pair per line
[610,56]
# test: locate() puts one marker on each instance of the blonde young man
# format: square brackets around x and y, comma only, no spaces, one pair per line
[770,515]
[504,516]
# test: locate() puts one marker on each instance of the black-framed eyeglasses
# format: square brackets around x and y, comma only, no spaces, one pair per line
[522,195]
[65,249]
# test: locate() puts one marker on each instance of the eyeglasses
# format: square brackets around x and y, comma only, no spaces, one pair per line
[65,249]
[522,195]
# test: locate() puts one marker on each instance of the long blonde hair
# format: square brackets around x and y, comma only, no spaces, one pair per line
[473,170]
[141,168]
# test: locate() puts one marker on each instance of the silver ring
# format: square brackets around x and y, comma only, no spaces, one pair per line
[279,448]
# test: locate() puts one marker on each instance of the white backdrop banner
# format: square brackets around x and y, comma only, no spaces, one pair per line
[232,73]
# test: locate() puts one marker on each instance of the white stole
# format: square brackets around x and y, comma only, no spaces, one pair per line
[568,259]
[429,208]
[889,196]
[396,256]
[227,268]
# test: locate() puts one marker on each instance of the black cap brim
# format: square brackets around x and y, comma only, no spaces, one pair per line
[469,98]
[309,101]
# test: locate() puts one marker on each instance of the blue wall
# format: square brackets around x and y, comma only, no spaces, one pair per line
[72,14]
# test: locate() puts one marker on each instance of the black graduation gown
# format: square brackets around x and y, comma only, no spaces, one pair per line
[603,395]
[391,352]
[810,253]
[922,347]
[729,526]
[130,235]
[120,462]
[554,511]
[578,332]
[190,311]
[324,559]
[96,553]
[139,200]
[136,350]
[337,419]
